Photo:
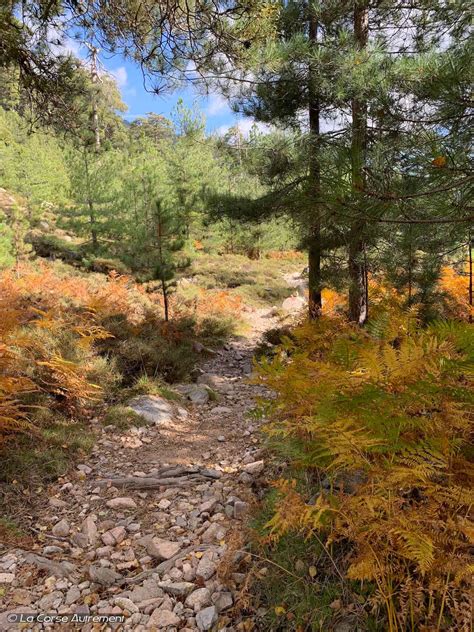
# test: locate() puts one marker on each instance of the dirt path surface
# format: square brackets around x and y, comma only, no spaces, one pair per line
[143,528]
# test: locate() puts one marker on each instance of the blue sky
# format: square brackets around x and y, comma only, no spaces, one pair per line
[139,101]
[219,116]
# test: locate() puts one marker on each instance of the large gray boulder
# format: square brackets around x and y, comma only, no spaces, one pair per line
[152,408]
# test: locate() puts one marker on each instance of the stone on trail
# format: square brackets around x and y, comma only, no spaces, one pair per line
[57,503]
[80,540]
[61,528]
[198,394]
[6,578]
[104,576]
[240,509]
[152,408]
[208,505]
[147,591]
[126,604]
[221,410]
[58,569]
[114,536]
[121,503]
[72,595]
[214,533]
[51,549]
[160,619]
[222,601]
[89,529]
[216,382]
[207,566]
[198,599]
[254,468]
[178,589]
[206,618]
[50,601]
[162,549]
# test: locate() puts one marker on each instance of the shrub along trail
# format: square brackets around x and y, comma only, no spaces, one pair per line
[149,526]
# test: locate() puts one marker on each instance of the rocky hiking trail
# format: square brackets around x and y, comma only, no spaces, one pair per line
[145,527]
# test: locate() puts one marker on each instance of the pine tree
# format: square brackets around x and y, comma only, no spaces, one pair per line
[382,165]
[169,242]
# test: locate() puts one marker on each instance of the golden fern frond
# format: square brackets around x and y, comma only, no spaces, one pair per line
[290,509]
[417,547]
[364,567]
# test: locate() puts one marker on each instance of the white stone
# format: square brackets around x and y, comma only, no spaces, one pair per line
[198,599]
[162,549]
[121,503]
[126,604]
[162,618]
[154,409]
[254,468]
[6,578]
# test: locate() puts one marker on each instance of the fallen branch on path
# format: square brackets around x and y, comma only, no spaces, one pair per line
[175,477]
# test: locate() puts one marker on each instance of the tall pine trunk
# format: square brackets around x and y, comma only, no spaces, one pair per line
[314,237]
[358,275]
[96,131]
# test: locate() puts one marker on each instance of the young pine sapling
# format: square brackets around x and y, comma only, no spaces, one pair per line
[169,230]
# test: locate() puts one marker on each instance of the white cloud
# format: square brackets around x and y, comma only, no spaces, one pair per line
[120,76]
[244,125]
[62,44]
[217,105]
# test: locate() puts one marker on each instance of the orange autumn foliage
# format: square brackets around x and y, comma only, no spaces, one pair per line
[286,255]
[333,302]
[455,286]
[52,321]
[218,303]
[49,322]
[383,417]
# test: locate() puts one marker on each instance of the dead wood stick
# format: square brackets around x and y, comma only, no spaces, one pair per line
[149,483]
[179,480]
[178,471]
